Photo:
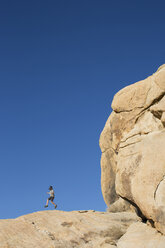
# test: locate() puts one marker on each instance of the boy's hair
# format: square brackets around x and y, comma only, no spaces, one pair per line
[50,187]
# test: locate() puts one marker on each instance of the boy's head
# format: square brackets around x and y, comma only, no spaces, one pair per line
[50,187]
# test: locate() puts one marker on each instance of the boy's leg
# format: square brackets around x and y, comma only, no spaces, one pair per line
[47,203]
[54,204]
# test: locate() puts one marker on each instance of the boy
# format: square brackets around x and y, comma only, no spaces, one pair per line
[51,198]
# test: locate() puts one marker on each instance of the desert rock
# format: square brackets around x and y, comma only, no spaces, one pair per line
[142,236]
[65,229]
[133,145]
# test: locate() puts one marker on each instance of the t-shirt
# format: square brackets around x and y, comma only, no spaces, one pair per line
[51,192]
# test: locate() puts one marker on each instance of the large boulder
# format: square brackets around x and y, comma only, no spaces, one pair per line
[133,148]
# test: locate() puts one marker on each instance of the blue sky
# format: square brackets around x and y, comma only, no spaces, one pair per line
[61,62]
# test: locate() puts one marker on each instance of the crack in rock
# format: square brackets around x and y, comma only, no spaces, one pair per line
[133,143]
[158,186]
[127,111]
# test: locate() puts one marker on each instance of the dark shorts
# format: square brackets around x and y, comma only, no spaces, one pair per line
[51,198]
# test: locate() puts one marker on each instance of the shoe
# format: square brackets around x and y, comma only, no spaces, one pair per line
[55,206]
[45,206]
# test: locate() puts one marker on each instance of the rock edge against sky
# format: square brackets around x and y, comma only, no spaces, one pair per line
[133,145]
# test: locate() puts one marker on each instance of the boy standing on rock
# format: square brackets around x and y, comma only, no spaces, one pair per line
[51,198]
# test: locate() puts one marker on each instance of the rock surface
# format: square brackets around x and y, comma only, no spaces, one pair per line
[141,236]
[85,229]
[57,229]
[133,145]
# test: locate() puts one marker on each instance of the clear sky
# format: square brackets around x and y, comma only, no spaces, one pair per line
[61,62]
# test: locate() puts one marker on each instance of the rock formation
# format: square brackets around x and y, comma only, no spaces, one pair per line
[58,229]
[79,229]
[133,149]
